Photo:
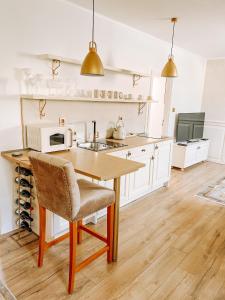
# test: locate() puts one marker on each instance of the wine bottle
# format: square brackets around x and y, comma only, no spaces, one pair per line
[24,215]
[23,171]
[24,225]
[24,193]
[24,204]
[23,182]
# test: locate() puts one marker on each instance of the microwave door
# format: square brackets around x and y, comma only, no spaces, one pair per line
[57,139]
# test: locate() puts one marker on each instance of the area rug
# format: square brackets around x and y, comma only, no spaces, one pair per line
[215,192]
[5,293]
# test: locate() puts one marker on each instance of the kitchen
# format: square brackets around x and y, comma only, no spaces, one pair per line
[120,127]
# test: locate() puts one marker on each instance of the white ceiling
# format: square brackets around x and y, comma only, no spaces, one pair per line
[200,27]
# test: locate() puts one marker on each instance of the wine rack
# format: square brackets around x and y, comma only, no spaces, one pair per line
[24,185]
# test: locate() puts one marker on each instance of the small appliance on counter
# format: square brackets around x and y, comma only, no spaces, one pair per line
[119,133]
[47,137]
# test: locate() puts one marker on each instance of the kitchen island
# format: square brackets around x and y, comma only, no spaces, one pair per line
[95,165]
[132,171]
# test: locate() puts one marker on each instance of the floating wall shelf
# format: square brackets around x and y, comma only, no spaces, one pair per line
[82,99]
[44,98]
[56,60]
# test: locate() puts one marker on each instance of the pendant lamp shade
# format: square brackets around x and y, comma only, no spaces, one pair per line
[170,69]
[92,65]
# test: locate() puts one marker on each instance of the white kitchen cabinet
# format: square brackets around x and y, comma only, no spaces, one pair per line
[192,153]
[156,173]
[140,182]
[124,184]
[162,164]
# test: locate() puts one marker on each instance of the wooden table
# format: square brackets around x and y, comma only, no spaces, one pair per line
[96,165]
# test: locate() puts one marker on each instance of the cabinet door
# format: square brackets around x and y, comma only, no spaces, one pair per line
[162,164]
[202,152]
[190,156]
[124,180]
[60,225]
[108,184]
[123,192]
[140,181]
[123,184]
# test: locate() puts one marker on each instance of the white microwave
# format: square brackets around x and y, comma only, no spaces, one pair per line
[50,138]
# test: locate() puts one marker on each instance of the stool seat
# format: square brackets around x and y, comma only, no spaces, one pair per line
[93,197]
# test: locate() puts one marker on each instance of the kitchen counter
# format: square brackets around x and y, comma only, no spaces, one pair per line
[97,165]
[136,141]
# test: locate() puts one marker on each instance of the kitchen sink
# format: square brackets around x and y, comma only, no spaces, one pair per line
[100,146]
[94,146]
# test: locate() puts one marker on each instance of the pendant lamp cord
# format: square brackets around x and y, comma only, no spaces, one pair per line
[93,21]
[171,52]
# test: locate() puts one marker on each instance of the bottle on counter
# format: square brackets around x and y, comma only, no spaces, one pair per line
[23,182]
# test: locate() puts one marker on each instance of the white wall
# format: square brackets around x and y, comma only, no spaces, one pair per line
[214,106]
[188,87]
[30,27]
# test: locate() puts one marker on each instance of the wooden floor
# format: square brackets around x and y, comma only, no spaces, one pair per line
[171,246]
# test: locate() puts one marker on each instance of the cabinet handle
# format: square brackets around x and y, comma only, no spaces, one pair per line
[128,153]
[156,147]
[199,147]
[153,157]
[143,150]
[71,137]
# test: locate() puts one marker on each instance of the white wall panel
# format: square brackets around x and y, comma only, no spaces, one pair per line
[216,133]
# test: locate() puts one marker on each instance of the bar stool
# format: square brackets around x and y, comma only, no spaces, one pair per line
[59,191]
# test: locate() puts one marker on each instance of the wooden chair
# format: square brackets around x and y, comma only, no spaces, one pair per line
[59,191]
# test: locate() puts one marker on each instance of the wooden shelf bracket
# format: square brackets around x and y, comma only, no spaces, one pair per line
[136,78]
[141,107]
[42,105]
[55,65]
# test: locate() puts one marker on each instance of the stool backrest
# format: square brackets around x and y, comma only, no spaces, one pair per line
[56,184]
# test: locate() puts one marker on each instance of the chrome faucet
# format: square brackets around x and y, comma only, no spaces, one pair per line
[94,131]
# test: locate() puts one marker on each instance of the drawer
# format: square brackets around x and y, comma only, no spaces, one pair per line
[197,146]
[146,150]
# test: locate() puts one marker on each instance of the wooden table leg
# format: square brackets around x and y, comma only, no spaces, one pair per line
[116,187]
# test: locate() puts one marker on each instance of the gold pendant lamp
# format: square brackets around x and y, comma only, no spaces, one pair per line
[170,69]
[92,65]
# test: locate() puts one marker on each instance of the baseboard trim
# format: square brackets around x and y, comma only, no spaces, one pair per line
[218,161]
